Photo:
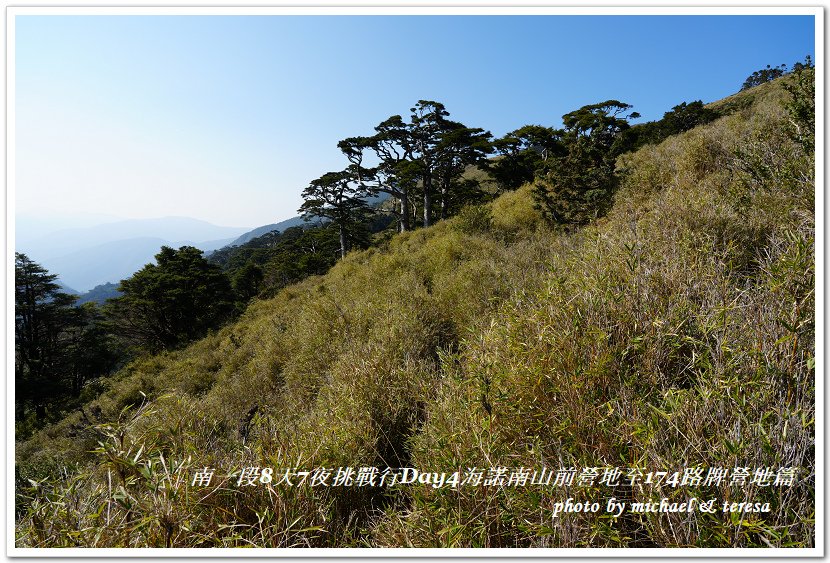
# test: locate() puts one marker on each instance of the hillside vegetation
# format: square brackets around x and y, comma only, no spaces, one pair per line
[676,331]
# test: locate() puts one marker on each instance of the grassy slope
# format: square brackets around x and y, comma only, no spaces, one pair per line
[676,331]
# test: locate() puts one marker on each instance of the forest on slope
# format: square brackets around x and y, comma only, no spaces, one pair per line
[645,309]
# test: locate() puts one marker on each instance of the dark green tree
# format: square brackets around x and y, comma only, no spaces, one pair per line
[801,107]
[338,197]
[393,175]
[300,253]
[43,315]
[764,75]
[422,159]
[247,280]
[578,185]
[685,116]
[522,155]
[58,347]
[90,349]
[680,118]
[458,148]
[175,301]
[427,125]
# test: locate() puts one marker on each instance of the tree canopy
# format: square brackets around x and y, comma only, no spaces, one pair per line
[764,75]
[419,163]
[770,73]
[58,346]
[42,316]
[579,184]
[338,197]
[175,301]
[523,153]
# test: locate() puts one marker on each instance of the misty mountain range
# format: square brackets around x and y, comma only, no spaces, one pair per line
[85,257]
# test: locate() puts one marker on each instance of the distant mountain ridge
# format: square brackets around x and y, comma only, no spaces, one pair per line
[86,257]
[108,262]
[293,222]
[64,241]
[99,294]
[265,229]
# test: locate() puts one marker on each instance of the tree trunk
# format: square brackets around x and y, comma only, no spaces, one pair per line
[444,197]
[427,200]
[397,210]
[342,241]
[405,224]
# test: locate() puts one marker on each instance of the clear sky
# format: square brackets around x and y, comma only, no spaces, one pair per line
[227,118]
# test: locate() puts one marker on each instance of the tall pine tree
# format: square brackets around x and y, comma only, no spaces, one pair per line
[165,305]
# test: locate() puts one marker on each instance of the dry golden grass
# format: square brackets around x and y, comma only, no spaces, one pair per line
[678,330]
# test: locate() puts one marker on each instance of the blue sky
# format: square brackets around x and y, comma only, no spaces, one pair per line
[227,118]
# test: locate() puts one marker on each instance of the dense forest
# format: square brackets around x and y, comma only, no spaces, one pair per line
[591,295]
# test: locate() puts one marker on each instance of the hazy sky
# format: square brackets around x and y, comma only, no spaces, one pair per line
[227,118]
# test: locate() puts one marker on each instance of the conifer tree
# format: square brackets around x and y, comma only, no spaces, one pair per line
[336,196]
[43,314]
[578,185]
[175,301]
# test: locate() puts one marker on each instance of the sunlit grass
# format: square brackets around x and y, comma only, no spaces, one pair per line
[678,330]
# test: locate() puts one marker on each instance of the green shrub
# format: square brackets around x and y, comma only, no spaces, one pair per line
[474,219]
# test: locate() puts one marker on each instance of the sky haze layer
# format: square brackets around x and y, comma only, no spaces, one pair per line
[228,118]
